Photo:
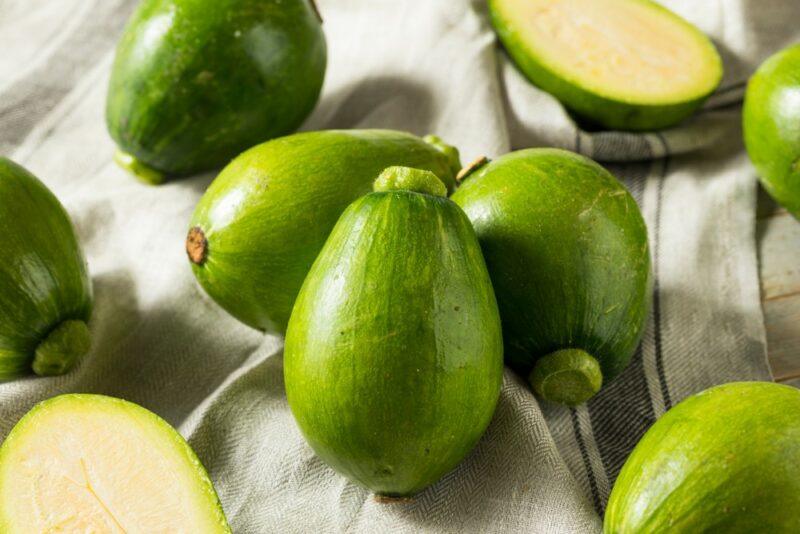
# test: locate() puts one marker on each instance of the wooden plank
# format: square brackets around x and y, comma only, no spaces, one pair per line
[793,383]
[782,319]
[778,235]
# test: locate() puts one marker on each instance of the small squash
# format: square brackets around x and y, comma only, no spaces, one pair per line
[196,82]
[566,247]
[45,291]
[264,219]
[393,360]
[724,460]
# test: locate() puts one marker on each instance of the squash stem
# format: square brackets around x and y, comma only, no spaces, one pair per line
[140,170]
[60,350]
[408,179]
[470,169]
[568,376]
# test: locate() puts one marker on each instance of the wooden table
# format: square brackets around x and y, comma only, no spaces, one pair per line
[778,238]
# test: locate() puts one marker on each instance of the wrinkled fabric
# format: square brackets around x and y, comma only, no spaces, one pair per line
[426,66]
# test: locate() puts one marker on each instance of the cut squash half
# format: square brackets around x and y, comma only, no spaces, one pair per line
[622,64]
[90,463]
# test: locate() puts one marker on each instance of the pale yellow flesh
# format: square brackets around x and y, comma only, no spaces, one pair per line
[622,48]
[99,467]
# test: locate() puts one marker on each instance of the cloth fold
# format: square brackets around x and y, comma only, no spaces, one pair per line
[426,66]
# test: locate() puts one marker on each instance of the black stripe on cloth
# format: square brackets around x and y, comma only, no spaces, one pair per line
[725,106]
[585,456]
[622,147]
[731,87]
[623,411]
[633,175]
[28,100]
[617,431]
[656,273]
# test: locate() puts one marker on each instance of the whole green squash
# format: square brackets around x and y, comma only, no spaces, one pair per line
[45,291]
[566,247]
[262,222]
[393,360]
[771,120]
[196,82]
[724,460]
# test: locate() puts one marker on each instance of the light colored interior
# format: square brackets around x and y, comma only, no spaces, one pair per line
[621,48]
[101,469]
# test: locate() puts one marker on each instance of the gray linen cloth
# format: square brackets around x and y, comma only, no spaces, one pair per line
[422,66]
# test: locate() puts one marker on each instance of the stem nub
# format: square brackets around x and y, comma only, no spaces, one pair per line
[140,170]
[392,499]
[408,179]
[568,376]
[61,348]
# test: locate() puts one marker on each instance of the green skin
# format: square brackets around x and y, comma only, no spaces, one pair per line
[267,215]
[567,251]
[81,402]
[393,360]
[196,82]
[724,460]
[45,291]
[602,110]
[771,120]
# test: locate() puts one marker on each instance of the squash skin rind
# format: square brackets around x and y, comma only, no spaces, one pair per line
[724,460]
[593,107]
[393,357]
[267,215]
[567,250]
[770,123]
[196,82]
[44,279]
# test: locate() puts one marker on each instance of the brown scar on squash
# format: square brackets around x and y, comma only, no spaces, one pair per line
[196,246]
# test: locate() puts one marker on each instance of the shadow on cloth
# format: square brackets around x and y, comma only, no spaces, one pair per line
[376,102]
[534,473]
[152,356]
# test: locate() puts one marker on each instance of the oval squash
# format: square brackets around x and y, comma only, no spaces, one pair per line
[393,358]
[196,82]
[45,291]
[770,118]
[724,460]
[566,247]
[264,219]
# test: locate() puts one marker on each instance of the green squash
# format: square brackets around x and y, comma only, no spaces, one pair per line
[622,64]
[772,126]
[45,291]
[393,360]
[196,82]
[567,251]
[262,222]
[90,463]
[724,460]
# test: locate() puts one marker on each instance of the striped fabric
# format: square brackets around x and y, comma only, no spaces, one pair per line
[422,66]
